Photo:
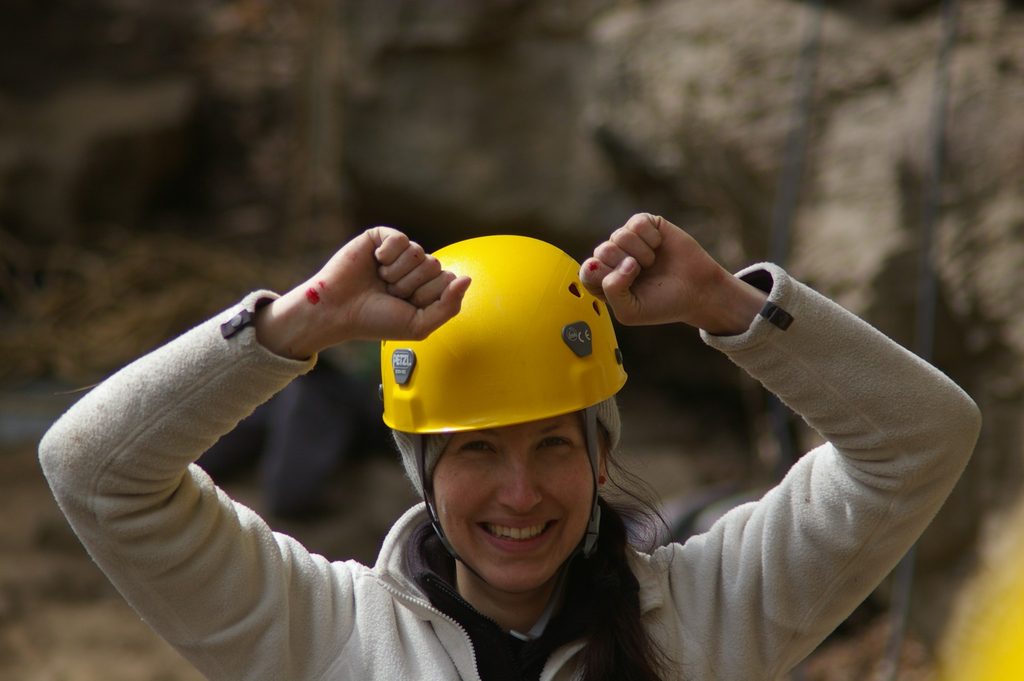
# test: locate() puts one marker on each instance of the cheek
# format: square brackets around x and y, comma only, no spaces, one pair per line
[455,491]
[572,483]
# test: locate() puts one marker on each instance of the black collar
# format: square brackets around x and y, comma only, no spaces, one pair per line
[500,656]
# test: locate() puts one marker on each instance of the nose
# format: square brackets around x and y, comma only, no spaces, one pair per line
[519,490]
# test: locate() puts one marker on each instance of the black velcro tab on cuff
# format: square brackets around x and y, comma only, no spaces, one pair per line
[776,315]
[244,318]
[236,323]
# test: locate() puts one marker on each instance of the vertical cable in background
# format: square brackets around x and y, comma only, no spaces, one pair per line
[787,195]
[317,216]
[927,293]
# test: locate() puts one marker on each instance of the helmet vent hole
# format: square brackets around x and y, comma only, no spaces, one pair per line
[597,308]
[575,290]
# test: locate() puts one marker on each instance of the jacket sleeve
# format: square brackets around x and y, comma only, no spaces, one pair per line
[237,600]
[773,578]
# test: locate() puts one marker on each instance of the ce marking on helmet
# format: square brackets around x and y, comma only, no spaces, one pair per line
[579,338]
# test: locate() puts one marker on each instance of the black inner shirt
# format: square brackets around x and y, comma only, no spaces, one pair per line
[500,656]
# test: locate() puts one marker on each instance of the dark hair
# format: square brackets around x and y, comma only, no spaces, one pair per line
[619,647]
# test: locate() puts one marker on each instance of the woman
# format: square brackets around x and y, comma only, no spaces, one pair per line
[504,414]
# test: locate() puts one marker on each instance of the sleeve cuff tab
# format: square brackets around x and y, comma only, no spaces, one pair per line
[237,323]
[243,318]
[776,315]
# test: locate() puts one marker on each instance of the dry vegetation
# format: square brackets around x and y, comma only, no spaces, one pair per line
[77,311]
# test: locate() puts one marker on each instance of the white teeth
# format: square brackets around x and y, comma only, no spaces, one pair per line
[517,533]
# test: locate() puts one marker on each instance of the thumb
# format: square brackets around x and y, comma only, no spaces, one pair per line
[617,289]
[430,318]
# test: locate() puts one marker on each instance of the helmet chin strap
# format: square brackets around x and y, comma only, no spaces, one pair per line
[427,484]
[587,544]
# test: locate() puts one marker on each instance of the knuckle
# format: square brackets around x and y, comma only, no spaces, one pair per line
[394,236]
[644,222]
[432,265]
[606,250]
[638,220]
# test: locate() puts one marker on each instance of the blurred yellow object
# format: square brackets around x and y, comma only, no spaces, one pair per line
[530,342]
[986,642]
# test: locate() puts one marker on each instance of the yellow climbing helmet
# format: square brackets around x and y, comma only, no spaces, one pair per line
[529,343]
[983,638]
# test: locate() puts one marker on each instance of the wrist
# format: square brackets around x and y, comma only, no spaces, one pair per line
[283,327]
[735,305]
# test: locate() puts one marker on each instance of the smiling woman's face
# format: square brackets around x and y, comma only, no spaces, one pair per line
[514,502]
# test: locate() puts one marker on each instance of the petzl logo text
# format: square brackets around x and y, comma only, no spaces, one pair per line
[402,363]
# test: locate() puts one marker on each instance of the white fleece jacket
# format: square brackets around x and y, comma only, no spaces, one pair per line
[745,601]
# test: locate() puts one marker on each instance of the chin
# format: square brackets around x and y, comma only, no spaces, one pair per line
[518,581]
[520,574]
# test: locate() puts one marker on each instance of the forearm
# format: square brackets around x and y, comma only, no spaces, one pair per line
[863,392]
[204,572]
[149,420]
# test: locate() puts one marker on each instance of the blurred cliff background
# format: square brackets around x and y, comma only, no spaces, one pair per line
[159,160]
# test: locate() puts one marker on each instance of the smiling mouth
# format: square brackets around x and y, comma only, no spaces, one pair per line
[515,533]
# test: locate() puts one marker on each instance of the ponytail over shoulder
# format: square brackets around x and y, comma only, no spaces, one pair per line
[619,647]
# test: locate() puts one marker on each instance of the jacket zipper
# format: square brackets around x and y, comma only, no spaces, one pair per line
[444,586]
[427,606]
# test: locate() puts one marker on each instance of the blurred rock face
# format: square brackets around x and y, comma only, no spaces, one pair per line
[560,120]
[94,112]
